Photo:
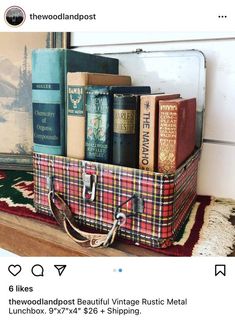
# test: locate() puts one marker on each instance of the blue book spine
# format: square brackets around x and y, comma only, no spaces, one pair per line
[49,97]
[48,74]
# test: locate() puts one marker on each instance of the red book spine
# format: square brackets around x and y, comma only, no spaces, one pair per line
[177,123]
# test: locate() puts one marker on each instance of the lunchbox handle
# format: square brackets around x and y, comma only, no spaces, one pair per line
[64,217]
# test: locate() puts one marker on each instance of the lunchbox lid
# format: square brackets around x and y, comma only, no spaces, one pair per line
[173,71]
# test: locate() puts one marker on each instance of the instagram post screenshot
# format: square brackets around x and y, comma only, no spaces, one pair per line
[117,160]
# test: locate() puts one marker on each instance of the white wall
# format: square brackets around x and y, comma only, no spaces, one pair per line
[217,165]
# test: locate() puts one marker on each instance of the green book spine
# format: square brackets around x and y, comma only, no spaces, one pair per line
[98,115]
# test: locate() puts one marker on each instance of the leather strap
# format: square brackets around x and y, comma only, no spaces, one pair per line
[66,220]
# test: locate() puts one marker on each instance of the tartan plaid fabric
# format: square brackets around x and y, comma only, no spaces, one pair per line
[168,198]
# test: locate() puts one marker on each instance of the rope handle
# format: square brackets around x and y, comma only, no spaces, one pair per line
[65,218]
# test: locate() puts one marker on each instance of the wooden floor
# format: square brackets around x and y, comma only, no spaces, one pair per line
[29,237]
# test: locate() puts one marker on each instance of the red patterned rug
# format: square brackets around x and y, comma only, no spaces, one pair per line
[16,195]
[208,231]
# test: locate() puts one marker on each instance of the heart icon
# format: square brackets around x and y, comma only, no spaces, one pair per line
[14,269]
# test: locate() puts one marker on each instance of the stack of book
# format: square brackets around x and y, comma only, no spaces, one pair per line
[167,131]
[81,112]
[49,95]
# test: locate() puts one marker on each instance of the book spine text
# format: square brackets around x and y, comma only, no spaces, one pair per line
[147,134]
[97,145]
[48,107]
[167,138]
[126,130]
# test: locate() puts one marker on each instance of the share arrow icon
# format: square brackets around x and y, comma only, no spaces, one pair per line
[60,268]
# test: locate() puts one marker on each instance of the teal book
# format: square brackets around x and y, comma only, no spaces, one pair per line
[99,119]
[49,82]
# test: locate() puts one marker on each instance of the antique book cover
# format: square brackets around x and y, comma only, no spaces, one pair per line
[76,91]
[148,148]
[177,133]
[49,83]
[126,130]
[99,119]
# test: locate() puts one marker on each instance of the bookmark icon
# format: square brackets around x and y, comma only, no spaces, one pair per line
[220,269]
[60,268]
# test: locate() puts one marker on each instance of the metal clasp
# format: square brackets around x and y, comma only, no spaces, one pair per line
[137,206]
[50,185]
[89,186]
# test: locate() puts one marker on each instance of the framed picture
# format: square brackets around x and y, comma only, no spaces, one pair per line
[16,129]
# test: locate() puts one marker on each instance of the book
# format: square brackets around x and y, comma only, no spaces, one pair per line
[177,133]
[126,113]
[77,83]
[148,148]
[99,119]
[49,81]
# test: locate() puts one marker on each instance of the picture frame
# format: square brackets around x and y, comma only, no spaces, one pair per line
[16,129]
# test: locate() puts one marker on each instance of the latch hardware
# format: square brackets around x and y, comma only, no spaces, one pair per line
[89,186]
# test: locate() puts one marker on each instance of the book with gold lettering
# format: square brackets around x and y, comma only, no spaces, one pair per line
[177,133]
[77,83]
[126,115]
[99,119]
[148,148]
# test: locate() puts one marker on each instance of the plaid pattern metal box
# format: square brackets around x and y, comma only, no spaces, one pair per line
[166,199]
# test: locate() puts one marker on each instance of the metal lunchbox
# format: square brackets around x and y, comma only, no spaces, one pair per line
[95,202]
